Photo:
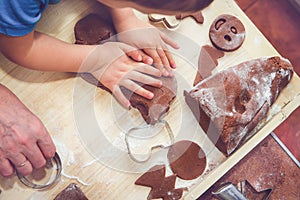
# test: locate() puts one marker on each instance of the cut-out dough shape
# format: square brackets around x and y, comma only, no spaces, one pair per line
[161,186]
[208,61]
[73,192]
[187,159]
[92,29]
[227,33]
[197,16]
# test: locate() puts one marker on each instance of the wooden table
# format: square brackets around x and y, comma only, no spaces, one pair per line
[65,104]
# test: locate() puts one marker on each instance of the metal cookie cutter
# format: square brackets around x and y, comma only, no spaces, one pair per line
[243,191]
[248,190]
[58,167]
[169,21]
[127,134]
[228,191]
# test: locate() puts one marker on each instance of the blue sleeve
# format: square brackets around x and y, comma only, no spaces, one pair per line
[18,18]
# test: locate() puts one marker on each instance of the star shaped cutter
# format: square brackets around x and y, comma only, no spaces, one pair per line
[243,191]
[251,193]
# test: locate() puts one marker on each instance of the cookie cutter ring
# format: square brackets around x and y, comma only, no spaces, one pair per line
[30,184]
[127,134]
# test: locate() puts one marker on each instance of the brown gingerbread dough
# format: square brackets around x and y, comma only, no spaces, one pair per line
[72,192]
[153,109]
[227,33]
[197,16]
[187,159]
[231,103]
[208,61]
[161,186]
[92,29]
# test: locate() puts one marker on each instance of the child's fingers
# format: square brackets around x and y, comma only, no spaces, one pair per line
[169,41]
[134,87]
[165,60]
[147,69]
[157,60]
[170,59]
[135,55]
[118,94]
[144,79]
[147,59]
[140,56]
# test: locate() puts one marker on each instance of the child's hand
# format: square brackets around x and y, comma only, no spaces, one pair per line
[110,64]
[153,47]
[144,36]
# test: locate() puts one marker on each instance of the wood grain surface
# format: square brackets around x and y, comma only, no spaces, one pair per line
[88,125]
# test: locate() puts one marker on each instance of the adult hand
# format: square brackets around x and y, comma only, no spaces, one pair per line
[24,141]
[110,64]
[143,36]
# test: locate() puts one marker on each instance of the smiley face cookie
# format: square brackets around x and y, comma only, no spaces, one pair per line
[227,33]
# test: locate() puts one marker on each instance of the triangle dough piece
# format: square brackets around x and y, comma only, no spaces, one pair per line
[208,61]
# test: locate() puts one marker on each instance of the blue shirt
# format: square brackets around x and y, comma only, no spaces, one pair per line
[19,17]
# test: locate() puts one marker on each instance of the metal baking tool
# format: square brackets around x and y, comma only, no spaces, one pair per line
[169,22]
[228,191]
[289,153]
[247,190]
[243,191]
[55,165]
[128,133]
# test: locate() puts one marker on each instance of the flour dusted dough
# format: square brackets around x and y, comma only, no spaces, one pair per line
[231,103]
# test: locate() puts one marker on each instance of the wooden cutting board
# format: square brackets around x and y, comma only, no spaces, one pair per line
[88,125]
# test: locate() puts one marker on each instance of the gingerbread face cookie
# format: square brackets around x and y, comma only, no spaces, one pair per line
[227,33]
[187,159]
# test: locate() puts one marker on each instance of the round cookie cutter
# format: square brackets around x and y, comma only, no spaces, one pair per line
[27,182]
[127,135]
